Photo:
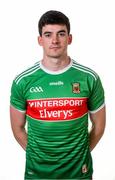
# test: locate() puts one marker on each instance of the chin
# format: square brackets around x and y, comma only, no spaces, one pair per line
[55,56]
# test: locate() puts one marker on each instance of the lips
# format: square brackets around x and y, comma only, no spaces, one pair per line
[54,47]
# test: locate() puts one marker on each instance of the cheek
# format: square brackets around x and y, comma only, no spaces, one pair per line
[43,42]
[45,46]
[65,43]
[46,42]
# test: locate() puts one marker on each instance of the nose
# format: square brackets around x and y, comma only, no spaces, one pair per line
[55,39]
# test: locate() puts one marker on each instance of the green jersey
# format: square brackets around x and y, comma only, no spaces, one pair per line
[56,106]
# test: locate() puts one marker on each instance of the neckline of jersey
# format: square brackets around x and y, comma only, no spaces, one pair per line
[56,72]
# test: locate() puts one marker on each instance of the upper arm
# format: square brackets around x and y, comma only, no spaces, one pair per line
[96,98]
[96,105]
[99,119]
[18,106]
[17,118]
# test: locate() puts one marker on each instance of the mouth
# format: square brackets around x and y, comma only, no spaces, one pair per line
[55,47]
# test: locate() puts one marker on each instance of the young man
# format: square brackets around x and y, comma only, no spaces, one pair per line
[55,97]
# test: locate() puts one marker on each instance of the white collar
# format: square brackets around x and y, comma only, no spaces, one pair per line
[56,72]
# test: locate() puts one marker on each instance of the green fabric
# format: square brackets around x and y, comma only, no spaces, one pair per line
[57,108]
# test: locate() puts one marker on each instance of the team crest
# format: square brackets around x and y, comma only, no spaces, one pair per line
[76,88]
[84,168]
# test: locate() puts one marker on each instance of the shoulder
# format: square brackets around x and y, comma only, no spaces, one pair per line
[26,73]
[86,71]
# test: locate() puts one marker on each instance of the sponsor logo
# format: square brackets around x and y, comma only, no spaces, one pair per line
[36,89]
[58,83]
[55,109]
[76,88]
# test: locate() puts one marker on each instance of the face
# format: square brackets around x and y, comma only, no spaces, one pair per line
[54,40]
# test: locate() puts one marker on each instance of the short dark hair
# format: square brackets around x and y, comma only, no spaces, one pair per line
[53,17]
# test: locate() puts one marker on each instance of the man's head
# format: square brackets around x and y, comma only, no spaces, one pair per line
[53,17]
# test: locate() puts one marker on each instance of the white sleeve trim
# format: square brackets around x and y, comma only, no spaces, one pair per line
[92,112]
[22,111]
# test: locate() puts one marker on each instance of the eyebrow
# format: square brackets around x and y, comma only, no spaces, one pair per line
[57,32]
[62,31]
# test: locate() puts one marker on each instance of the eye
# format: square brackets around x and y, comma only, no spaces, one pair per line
[62,34]
[47,35]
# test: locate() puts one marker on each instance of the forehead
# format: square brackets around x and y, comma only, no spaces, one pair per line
[54,28]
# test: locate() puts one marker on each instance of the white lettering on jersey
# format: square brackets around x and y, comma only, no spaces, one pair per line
[36,89]
[58,83]
[57,114]
[56,103]
[55,109]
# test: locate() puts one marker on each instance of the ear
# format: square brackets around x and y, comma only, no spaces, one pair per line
[70,39]
[40,40]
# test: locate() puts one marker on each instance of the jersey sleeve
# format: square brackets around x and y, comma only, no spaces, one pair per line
[96,99]
[17,99]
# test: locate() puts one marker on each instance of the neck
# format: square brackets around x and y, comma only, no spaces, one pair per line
[55,64]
